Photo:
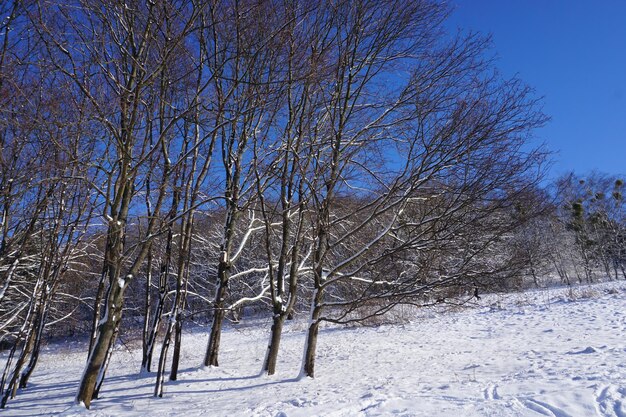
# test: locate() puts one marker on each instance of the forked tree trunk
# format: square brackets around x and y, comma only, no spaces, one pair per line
[282,313]
[164,275]
[7,366]
[105,337]
[11,388]
[107,361]
[155,323]
[158,388]
[34,356]
[173,327]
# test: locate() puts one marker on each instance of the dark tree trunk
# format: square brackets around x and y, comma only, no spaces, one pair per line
[107,360]
[178,330]
[212,352]
[145,343]
[155,323]
[308,368]
[308,365]
[34,357]
[274,345]
[96,309]
[158,388]
[211,357]
[102,344]
[12,385]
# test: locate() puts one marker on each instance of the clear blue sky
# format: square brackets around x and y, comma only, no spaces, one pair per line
[573,52]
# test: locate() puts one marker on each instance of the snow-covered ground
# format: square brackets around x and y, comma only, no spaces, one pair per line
[543,353]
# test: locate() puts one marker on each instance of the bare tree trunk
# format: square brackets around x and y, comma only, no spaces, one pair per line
[26,333]
[97,305]
[146,361]
[158,389]
[38,331]
[178,331]
[100,351]
[212,352]
[146,333]
[173,326]
[34,357]
[274,345]
[107,361]
[284,311]
[12,385]
[561,271]
[308,361]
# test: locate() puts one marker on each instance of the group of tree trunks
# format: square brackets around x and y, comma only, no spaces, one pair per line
[345,155]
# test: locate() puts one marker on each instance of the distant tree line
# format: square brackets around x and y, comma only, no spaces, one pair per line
[187,160]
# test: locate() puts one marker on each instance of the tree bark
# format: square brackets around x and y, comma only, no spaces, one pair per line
[211,357]
[158,388]
[103,341]
[308,364]
[178,330]
[107,360]
[274,345]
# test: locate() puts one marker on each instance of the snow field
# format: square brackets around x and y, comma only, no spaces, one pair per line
[542,353]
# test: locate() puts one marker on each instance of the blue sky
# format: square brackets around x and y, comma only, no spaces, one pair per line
[573,52]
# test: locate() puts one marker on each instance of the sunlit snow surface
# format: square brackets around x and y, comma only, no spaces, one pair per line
[543,353]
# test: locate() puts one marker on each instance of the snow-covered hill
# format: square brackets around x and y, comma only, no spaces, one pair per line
[543,353]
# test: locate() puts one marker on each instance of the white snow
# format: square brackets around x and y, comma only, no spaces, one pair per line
[544,353]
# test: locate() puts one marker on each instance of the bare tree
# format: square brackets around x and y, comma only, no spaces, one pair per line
[455,133]
[245,87]
[126,50]
[46,200]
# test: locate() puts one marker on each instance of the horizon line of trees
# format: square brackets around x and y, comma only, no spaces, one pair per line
[183,158]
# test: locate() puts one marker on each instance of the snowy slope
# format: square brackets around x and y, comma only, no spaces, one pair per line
[535,354]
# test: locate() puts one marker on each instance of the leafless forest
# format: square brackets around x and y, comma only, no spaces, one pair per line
[165,163]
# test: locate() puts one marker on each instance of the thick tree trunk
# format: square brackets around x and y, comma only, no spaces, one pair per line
[211,357]
[107,360]
[308,362]
[103,341]
[271,358]
[213,347]
[94,363]
[308,366]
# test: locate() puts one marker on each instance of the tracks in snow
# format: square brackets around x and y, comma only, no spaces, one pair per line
[611,401]
[491,392]
[543,408]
